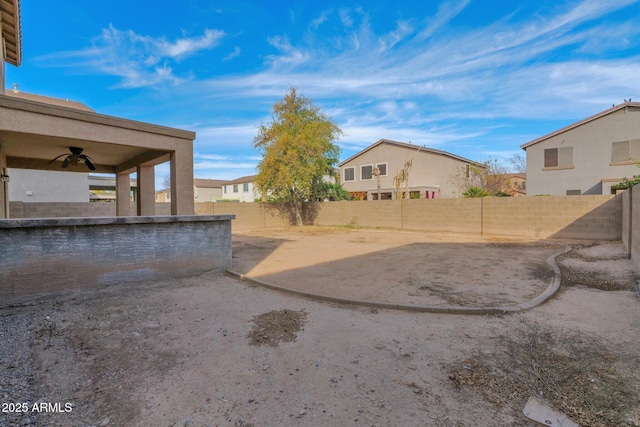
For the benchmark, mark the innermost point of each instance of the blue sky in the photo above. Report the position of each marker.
(475, 78)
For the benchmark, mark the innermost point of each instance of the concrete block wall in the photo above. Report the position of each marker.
(634, 223)
(74, 209)
(443, 215)
(378, 214)
(46, 255)
(597, 217)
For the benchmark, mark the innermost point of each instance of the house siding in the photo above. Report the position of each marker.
(430, 171)
(592, 142)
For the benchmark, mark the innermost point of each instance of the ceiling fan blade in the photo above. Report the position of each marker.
(65, 163)
(88, 162)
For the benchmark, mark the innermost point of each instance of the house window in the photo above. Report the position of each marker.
(225, 189)
(625, 151)
(574, 192)
(382, 168)
(467, 171)
(245, 187)
(349, 174)
(366, 173)
(235, 188)
(558, 157)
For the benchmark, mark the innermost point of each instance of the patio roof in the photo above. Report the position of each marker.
(32, 134)
(10, 20)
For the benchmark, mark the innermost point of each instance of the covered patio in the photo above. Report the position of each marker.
(33, 133)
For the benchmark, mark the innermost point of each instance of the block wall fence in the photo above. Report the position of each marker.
(596, 217)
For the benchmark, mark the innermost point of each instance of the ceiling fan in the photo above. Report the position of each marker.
(76, 154)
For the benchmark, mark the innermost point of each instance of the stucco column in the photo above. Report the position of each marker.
(4, 187)
(123, 194)
(146, 191)
(182, 202)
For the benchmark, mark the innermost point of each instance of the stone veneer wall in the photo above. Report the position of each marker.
(72, 253)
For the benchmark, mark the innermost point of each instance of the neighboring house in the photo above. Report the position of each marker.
(587, 157)
(513, 184)
(204, 190)
(430, 175)
(242, 189)
(208, 190)
(53, 186)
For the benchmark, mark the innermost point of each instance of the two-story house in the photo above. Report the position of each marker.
(586, 157)
(372, 171)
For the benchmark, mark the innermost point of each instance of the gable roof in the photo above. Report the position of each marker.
(11, 33)
(15, 93)
(582, 122)
(242, 180)
(413, 147)
(209, 183)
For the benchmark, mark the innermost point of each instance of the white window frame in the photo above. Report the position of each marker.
(372, 175)
(245, 187)
(344, 174)
(235, 188)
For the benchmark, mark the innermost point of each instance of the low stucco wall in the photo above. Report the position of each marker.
(42, 255)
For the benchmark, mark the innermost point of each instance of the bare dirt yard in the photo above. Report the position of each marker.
(214, 351)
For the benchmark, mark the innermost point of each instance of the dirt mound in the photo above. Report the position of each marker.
(276, 326)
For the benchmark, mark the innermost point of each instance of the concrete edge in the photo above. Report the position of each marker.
(543, 297)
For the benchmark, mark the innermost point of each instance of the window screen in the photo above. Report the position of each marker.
(558, 157)
(349, 174)
(366, 172)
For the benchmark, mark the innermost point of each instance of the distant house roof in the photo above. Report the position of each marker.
(209, 183)
(242, 180)
(15, 93)
(11, 33)
(582, 122)
(411, 147)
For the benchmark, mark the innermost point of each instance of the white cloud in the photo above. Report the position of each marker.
(138, 60)
(231, 55)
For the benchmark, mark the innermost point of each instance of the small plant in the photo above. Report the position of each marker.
(475, 192)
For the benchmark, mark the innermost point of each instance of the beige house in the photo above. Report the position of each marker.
(34, 134)
(429, 177)
(587, 157)
(242, 189)
(204, 190)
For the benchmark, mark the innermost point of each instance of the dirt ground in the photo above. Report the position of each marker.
(214, 351)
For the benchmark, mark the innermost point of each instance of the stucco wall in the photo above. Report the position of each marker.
(61, 254)
(48, 186)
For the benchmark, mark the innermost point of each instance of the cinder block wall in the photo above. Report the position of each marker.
(597, 217)
(634, 224)
(48, 255)
(75, 209)
(443, 215)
